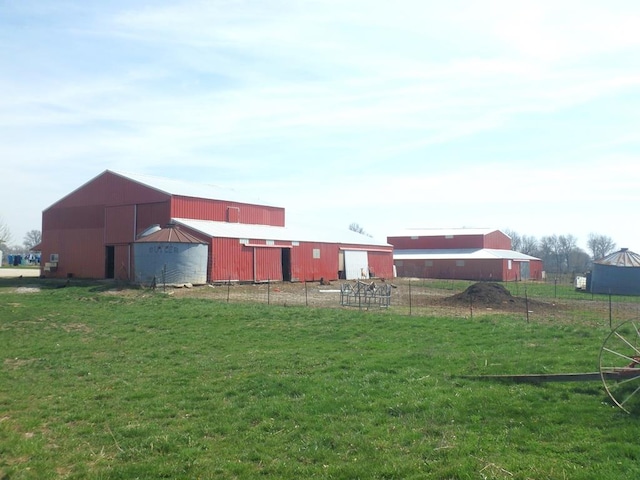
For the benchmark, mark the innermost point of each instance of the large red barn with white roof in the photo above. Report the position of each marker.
(462, 254)
(90, 233)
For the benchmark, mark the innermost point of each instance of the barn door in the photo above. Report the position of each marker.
(524, 270)
(356, 264)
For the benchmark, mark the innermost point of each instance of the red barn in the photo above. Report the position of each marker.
(463, 254)
(90, 234)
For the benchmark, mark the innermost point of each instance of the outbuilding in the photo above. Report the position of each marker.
(462, 254)
(94, 231)
(618, 274)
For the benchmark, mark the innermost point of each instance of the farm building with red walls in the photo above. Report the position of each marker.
(90, 233)
(461, 254)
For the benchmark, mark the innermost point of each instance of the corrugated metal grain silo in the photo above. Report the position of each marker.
(617, 274)
(170, 256)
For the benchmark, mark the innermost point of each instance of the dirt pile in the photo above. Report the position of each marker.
(485, 293)
(493, 295)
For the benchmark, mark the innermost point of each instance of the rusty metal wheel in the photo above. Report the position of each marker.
(620, 365)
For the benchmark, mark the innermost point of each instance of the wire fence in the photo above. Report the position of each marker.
(550, 301)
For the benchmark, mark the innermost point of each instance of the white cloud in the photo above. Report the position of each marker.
(372, 109)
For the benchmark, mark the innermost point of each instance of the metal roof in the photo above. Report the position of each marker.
(171, 234)
(184, 188)
(288, 233)
(461, 254)
(443, 232)
(622, 258)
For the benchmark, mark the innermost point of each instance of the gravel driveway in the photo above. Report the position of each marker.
(16, 272)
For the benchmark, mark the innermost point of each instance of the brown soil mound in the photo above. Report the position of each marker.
(494, 296)
(486, 293)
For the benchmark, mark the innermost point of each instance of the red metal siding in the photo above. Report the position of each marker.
(450, 269)
(218, 210)
(535, 269)
(73, 218)
(437, 242)
(267, 263)
(497, 240)
(148, 214)
(74, 227)
(81, 252)
(381, 264)
(307, 267)
(120, 224)
(230, 261)
(111, 189)
(234, 261)
(122, 262)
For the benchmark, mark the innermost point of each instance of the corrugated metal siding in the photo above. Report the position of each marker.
(610, 279)
(449, 269)
(73, 218)
(230, 260)
(122, 262)
(120, 224)
(437, 242)
(110, 189)
(306, 267)
(234, 261)
(148, 214)
(621, 258)
(81, 252)
(170, 262)
(381, 264)
(267, 263)
(497, 240)
(217, 210)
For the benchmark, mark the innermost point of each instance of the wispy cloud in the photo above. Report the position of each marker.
(391, 104)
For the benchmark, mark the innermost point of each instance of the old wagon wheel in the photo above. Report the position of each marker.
(620, 364)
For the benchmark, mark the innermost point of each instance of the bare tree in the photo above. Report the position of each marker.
(600, 245)
(354, 227)
(516, 240)
(567, 245)
(31, 239)
(5, 235)
(550, 252)
(530, 246)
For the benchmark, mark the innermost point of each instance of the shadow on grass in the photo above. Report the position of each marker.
(56, 283)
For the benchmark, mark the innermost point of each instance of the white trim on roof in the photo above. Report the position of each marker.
(184, 188)
(462, 254)
(268, 232)
(444, 232)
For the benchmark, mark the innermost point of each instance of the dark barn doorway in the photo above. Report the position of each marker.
(286, 264)
(110, 261)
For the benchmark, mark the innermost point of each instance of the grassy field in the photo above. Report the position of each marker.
(97, 384)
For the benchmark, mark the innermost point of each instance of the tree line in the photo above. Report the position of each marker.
(560, 253)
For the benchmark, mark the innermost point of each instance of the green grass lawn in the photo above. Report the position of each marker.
(105, 386)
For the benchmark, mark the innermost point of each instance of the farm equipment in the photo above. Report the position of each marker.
(364, 294)
(619, 368)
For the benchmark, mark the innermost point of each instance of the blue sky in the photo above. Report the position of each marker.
(512, 115)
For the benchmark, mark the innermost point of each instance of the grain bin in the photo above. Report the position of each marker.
(170, 256)
(617, 274)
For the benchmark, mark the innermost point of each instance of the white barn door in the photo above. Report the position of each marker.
(356, 264)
